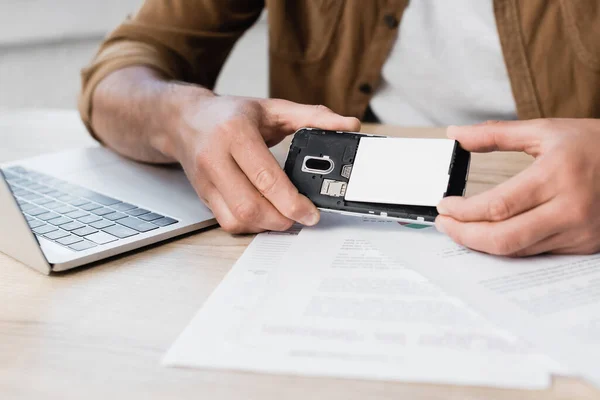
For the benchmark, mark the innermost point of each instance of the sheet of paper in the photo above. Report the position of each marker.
(334, 306)
(213, 335)
(552, 301)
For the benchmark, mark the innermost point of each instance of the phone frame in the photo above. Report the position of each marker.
(341, 147)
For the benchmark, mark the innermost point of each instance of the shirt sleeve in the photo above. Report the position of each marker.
(187, 40)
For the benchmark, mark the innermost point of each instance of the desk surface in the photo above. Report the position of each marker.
(100, 332)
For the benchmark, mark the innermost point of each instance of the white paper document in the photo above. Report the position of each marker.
(212, 338)
(328, 303)
(551, 301)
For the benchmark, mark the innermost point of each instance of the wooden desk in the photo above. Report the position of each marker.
(100, 333)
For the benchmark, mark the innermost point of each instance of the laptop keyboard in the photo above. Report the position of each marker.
(75, 217)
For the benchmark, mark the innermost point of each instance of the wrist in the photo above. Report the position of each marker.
(176, 99)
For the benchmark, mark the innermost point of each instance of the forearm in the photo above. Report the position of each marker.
(135, 112)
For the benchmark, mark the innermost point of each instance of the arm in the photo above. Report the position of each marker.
(176, 40)
(135, 110)
(144, 113)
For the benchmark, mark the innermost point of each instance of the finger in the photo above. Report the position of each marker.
(500, 135)
(581, 249)
(547, 245)
(264, 172)
(292, 116)
(505, 237)
(242, 198)
(578, 242)
(211, 197)
(521, 193)
(225, 217)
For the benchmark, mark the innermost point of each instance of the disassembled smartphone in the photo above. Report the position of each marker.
(396, 178)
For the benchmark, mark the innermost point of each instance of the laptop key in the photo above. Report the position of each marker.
(33, 174)
(8, 176)
(90, 206)
(30, 196)
(86, 230)
(81, 246)
(19, 192)
(65, 209)
(78, 202)
(48, 216)
(58, 234)
(65, 186)
(35, 211)
(102, 211)
(136, 212)
(123, 207)
(36, 187)
(60, 221)
(45, 189)
(150, 217)
(28, 218)
(55, 194)
(53, 205)
(17, 169)
(42, 200)
(137, 224)
(19, 182)
(101, 199)
(102, 224)
(69, 240)
(27, 206)
(166, 221)
(41, 230)
(66, 199)
(25, 183)
(35, 224)
(77, 214)
(88, 219)
(115, 216)
(71, 226)
(51, 181)
(101, 238)
(119, 231)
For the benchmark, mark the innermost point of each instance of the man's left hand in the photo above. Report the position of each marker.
(552, 206)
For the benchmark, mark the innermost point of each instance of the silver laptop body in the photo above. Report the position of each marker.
(64, 210)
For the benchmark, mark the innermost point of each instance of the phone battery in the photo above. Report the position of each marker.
(400, 171)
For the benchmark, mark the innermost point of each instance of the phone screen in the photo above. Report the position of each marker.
(400, 171)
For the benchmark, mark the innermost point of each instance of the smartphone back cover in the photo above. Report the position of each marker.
(327, 190)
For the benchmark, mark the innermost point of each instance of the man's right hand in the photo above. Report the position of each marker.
(221, 142)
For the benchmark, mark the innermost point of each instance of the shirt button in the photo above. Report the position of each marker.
(390, 21)
(366, 88)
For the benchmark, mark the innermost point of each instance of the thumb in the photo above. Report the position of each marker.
(293, 116)
(498, 135)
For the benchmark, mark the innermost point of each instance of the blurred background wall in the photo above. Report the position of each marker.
(45, 43)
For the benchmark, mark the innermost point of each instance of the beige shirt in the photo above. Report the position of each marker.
(332, 52)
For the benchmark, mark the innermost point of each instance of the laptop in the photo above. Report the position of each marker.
(65, 210)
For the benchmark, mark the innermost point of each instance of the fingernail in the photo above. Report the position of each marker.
(310, 219)
(439, 226)
(441, 208)
(450, 132)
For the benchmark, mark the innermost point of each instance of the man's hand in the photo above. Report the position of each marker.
(222, 143)
(552, 206)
